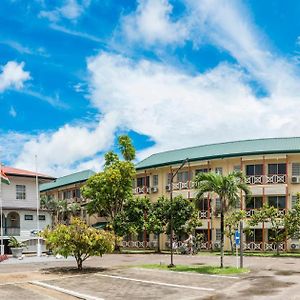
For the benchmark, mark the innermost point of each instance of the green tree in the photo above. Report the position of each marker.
(133, 218)
(228, 188)
(232, 220)
(78, 240)
(277, 221)
(110, 189)
(292, 219)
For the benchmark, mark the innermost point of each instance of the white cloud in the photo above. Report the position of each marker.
(151, 23)
(62, 151)
(13, 76)
(176, 109)
(171, 106)
(71, 10)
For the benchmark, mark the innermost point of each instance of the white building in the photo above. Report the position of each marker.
(19, 202)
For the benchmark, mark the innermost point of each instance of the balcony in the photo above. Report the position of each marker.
(266, 179)
(141, 190)
(203, 214)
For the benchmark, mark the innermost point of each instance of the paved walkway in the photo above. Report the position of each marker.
(113, 277)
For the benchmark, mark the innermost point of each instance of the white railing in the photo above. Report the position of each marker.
(252, 246)
(254, 179)
(266, 179)
(141, 190)
(203, 214)
(139, 244)
(250, 212)
(273, 246)
(182, 185)
(277, 178)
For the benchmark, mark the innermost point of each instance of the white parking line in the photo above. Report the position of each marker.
(190, 273)
(157, 282)
(68, 292)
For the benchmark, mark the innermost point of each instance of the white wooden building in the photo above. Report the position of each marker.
(19, 202)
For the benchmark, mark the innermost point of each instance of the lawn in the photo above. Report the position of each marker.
(203, 269)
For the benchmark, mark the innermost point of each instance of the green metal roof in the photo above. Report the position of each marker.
(222, 150)
(66, 180)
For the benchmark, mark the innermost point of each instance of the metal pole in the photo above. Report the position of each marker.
(38, 250)
(241, 244)
(171, 220)
(1, 212)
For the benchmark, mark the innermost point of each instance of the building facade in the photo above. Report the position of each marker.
(68, 188)
(271, 167)
(19, 202)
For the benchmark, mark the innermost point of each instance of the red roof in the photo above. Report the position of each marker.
(19, 172)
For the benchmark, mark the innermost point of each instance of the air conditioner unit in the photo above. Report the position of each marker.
(294, 246)
(167, 188)
(154, 189)
(295, 179)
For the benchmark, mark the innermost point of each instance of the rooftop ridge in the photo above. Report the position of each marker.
(222, 143)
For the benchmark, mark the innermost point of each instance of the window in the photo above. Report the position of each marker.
(20, 192)
(296, 169)
(294, 200)
(254, 170)
(254, 236)
(275, 169)
(237, 168)
(277, 201)
(142, 181)
(199, 171)
(42, 217)
(218, 234)
(155, 180)
(254, 203)
(203, 204)
(184, 176)
(219, 170)
(28, 217)
(67, 195)
(77, 193)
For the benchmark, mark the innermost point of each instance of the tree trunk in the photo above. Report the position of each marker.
(79, 263)
(158, 243)
(117, 246)
(277, 248)
(222, 235)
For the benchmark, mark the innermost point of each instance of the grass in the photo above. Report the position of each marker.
(204, 269)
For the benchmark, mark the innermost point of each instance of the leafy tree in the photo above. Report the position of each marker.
(271, 215)
(228, 188)
(78, 240)
(109, 190)
(157, 218)
(185, 218)
(232, 221)
(133, 218)
(292, 219)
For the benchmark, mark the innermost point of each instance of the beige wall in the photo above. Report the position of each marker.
(227, 164)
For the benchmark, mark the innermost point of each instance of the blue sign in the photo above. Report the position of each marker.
(237, 237)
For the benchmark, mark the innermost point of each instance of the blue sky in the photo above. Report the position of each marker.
(76, 73)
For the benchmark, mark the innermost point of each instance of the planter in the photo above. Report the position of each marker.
(16, 252)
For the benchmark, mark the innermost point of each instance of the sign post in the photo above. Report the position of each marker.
(237, 243)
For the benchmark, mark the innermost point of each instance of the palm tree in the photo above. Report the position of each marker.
(228, 188)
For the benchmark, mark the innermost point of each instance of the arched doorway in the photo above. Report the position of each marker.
(13, 224)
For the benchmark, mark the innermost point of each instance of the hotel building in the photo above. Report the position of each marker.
(271, 167)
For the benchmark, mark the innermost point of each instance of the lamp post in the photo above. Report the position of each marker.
(171, 214)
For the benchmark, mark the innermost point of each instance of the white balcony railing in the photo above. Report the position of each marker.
(266, 179)
(141, 190)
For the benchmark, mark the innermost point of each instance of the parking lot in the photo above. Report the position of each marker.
(120, 277)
